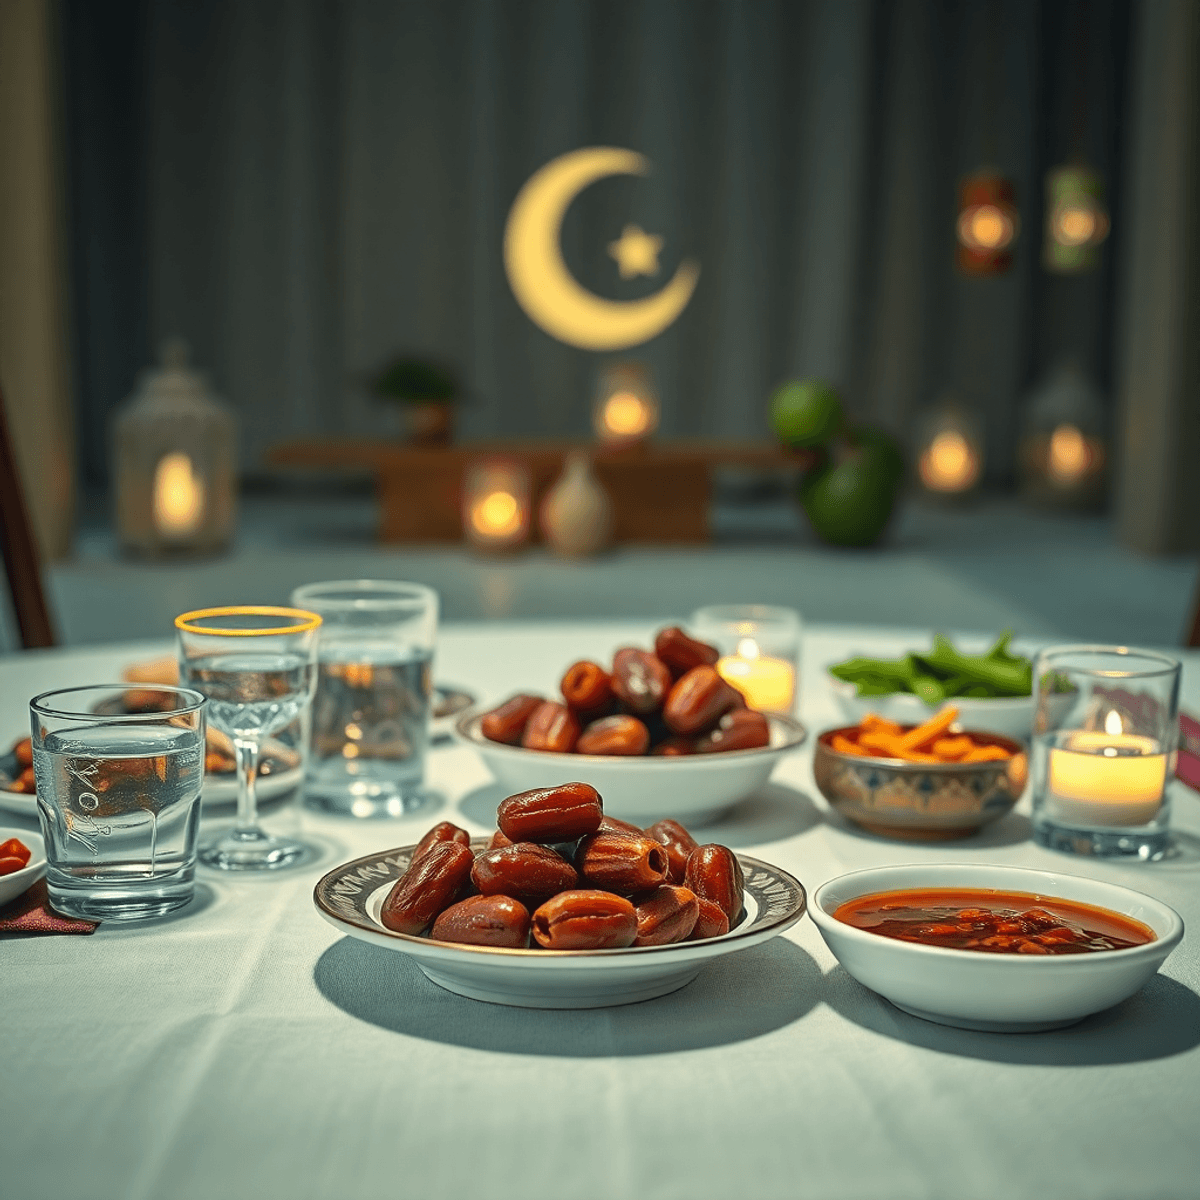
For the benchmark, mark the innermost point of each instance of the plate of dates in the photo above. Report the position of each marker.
(562, 907)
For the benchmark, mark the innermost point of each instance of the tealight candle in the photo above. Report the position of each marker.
(767, 684)
(1102, 778)
(496, 505)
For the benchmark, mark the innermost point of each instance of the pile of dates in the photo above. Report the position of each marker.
(559, 869)
(667, 701)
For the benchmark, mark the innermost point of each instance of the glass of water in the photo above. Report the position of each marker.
(370, 718)
(118, 795)
(256, 665)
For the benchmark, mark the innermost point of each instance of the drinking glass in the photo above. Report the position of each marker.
(256, 664)
(760, 650)
(1105, 731)
(370, 716)
(118, 795)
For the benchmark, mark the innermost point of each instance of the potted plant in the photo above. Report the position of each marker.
(428, 392)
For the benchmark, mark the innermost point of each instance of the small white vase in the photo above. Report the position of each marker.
(576, 515)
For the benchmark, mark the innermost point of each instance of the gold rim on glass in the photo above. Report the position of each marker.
(307, 620)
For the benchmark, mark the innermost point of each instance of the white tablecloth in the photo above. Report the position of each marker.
(242, 1048)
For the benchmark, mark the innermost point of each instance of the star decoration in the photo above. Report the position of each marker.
(636, 252)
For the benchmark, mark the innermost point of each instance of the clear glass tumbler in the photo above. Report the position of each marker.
(256, 664)
(1105, 732)
(370, 717)
(118, 793)
(760, 650)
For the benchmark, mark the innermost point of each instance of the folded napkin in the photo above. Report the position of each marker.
(30, 912)
(1187, 763)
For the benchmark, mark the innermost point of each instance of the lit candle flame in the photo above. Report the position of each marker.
(178, 496)
(498, 514)
(1113, 724)
(626, 415)
(1069, 457)
(747, 648)
(986, 227)
(948, 463)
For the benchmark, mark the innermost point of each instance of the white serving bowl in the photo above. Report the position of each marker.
(1009, 715)
(11, 886)
(1007, 993)
(692, 788)
(351, 896)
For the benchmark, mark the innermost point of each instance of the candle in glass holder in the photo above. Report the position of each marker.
(1106, 777)
(496, 505)
(766, 683)
(626, 408)
(178, 500)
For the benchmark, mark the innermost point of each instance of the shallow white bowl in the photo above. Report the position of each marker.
(693, 788)
(11, 886)
(1010, 715)
(350, 898)
(1008, 993)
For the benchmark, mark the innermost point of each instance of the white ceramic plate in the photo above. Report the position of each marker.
(1006, 993)
(449, 703)
(1009, 715)
(11, 886)
(351, 896)
(693, 788)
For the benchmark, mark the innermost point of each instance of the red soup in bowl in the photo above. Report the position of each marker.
(993, 922)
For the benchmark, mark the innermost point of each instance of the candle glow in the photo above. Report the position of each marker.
(986, 227)
(497, 515)
(949, 463)
(626, 415)
(767, 684)
(178, 496)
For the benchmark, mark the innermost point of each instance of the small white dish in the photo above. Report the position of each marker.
(1003, 993)
(1009, 715)
(692, 788)
(11, 886)
(449, 703)
(350, 898)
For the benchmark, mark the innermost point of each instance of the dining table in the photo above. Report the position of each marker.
(243, 1047)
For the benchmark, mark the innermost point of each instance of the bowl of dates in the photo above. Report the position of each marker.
(658, 732)
(1002, 949)
(563, 906)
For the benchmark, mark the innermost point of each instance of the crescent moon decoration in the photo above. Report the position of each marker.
(550, 295)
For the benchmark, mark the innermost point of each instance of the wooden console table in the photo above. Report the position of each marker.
(660, 491)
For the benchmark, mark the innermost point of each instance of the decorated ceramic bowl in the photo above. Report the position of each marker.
(920, 801)
(692, 788)
(1005, 993)
(351, 896)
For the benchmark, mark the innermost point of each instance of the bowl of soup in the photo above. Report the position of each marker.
(1003, 949)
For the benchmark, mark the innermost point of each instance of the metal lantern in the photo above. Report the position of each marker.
(988, 223)
(1076, 219)
(173, 456)
(626, 408)
(1063, 451)
(949, 452)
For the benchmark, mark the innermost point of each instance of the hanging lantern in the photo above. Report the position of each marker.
(173, 462)
(496, 504)
(1063, 452)
(988, 223)
(1076, 220)
(626, 407)
(949, 453)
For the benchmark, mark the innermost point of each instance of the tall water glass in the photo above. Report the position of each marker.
(1104, 739)
(118, 794)
(370, 718)
(257, 666)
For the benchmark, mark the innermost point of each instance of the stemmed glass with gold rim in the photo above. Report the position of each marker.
(256, 664)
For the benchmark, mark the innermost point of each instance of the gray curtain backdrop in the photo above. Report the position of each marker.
(326, 184)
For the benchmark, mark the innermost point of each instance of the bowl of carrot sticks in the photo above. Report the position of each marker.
(927, 782)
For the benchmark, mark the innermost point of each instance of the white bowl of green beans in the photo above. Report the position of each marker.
(992, 690)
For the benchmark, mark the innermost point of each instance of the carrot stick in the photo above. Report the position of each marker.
(874, 724)
(843, 745)
(914, 739)
(985, 754)
(952, 748)
(881, 743)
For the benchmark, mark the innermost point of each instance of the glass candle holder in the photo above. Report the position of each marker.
(626, 406)
(496, 505)
(760, 651)
(1105, 732)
